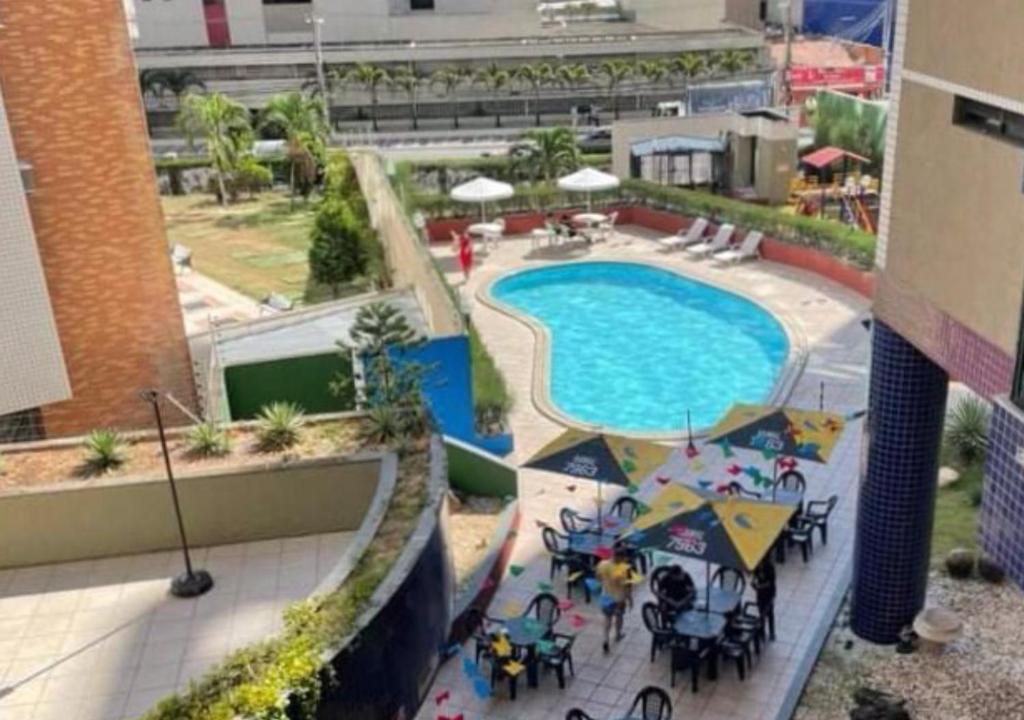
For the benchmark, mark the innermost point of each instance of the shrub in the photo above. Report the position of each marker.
(974, 497)
(104, 450)
(989, 570)
(960, 563)
(340, 250)
(384, 424)
(250, 176)
(208, 439)
(967, 428)
(279, 426)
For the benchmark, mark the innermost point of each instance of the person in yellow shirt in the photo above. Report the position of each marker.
(614, 575)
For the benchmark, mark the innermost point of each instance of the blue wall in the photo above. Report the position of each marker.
(858, 20)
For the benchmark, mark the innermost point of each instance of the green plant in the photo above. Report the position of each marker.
(302, 121)
(104, 450)
(967, 428)
(491, 397)
(370, 78)
(409, 81)
(224, 125)
(990, 571)
(340, 250)
(551, 153)
(960, 563)
(250, 176)
(384, 424)
(208, 439)
(279, 426)
(494, 79)
(535, 76)
(614, 72)
(450, 78)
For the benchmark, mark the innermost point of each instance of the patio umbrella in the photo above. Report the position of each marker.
(597, 456)
(482, 190)
(725, 531)
(588, 180)
(805, 434)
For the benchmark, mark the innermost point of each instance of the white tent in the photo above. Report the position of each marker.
(588, 180)
(482, 190)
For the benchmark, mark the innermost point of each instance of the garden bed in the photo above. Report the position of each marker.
(473, 522)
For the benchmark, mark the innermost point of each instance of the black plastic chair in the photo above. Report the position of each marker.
(745, 637)
(750, 619)
(729, 579)
(735, 489)
(652, 703)
(626, 508)
(734, 650)
(499, 673)
(689, 657)
(559, 657)
(667, 605)
(792, 481)
(573, 522)
(658, 624)
(544, 607)
(577, 714)
(477, 626)
(799, 534)
(817, 513)
(558, 547)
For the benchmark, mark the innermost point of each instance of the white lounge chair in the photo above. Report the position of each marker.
(684, 238)
(747, 249)
(716, 244)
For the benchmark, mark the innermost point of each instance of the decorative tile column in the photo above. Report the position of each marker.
(896, 508)
(1002, 506)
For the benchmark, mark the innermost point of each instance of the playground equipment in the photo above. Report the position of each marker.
(850, 196)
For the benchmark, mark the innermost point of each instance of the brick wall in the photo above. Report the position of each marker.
(69, 81)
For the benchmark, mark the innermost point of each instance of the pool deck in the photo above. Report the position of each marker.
(828, 317)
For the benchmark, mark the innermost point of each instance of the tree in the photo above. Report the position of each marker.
(655, 72)
(158, 82)
(409, 81)
(494, 79)
(339, 251)
(689, 65)
(614, 72)
(536, 76)
(573, 76)
(732, 61)
(449, 78)
(224, 125)
(302, 121)
(370, 78)
(552, 152)
(250, 176)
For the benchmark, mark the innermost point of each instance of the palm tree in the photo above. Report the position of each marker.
(369, 77)
(536, 76)
(157, 83)
(407, 79)
(450, 78)
(494, 79)
(614, 72)
(224, 125)
(573, 76)
(553, 152)
(732, 61)
(655, 72)
(303, 122)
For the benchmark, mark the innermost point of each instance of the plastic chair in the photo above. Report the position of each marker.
(656, 622)
(729, 579)
(652, 703)
(476, 625)
(626, 508)
(792, 481)
(573, 522)
(545, 608)
(560, 555)
(735, 489)
(799, 534)
(817, 513)
(577, 714)
(559, 656)
(686, 657)
(750, 618)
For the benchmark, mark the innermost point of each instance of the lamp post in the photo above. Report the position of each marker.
(190, 583)
(787, 67)
(317, 22)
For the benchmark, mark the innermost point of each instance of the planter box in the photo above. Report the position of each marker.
(820, 263)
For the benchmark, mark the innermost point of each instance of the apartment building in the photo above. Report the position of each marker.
(88, 306)
(949, 295)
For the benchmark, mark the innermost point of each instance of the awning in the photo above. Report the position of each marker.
(677, 144)
(824, 157)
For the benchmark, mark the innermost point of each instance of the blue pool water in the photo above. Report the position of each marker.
(633, 347)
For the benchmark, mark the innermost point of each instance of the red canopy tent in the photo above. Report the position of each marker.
(826, 156)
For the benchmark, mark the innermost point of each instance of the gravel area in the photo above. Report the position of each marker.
(980, 676)
(473, 522)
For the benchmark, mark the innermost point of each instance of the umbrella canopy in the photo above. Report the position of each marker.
(806, 434)
(597, 456)
(482, 190)
(588, 180)
(727, 531)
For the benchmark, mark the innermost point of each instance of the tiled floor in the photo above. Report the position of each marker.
(828, 316)
(103, 639)
(206, 303)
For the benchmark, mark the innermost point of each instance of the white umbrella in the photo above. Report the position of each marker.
(588, 180)
(482, 190)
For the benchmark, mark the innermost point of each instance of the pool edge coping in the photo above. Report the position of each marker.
(782, 388)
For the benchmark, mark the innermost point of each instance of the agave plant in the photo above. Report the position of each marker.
(104, 450)
(279, 426)
(384, 424)
(967, 428)
(208, 439)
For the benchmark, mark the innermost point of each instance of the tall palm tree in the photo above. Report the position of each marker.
(536, 76)
(731, 62)
(409, 81)
(224, 125)
(573, 76)
(614, 72)
(552, 152)
(303, 122)
(370, 78)
(655, 72)
(690, 65)
(449, 78)
(158, 82)
(494, 79)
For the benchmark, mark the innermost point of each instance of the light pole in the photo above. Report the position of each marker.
(787, 66)
(317, 22)
(190, 583)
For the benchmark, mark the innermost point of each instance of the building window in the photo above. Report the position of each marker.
(989, 120)
(421, 4)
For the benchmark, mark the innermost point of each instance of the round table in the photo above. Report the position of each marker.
(488, 231)
(589, 218)
(525, 632)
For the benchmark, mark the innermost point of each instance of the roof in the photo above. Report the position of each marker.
(825, 156)
(825, 54)
(677, 144)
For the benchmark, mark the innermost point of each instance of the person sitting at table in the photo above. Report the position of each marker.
(677, 591)
(763, 581)
(614, 574)
(567, 227)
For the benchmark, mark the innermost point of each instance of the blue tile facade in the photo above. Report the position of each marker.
(896, 507)
(1002, 505)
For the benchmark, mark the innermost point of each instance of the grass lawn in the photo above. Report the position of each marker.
(956, 510)
(256, 247)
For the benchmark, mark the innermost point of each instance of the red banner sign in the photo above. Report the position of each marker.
(866, 76)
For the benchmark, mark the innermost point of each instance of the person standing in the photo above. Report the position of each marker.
(614, 575)
(465, 254)
(764, 585)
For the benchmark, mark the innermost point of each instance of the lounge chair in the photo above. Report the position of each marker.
(683, 238)
(747, 249)
(716, 244)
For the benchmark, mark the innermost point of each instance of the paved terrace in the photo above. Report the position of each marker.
(829, 317)
(104, 640)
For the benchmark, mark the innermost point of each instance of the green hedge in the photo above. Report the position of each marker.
(848, 243)
(535, 197)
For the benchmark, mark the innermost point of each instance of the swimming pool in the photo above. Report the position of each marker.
(632, 347)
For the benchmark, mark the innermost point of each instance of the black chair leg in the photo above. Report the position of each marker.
(739, 667)
(695, 677)
(512, 688)
(560, 674)
(572, 670)
(824, 533)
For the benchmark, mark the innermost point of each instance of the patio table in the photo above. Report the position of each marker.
(699, 625)
(488, 231)
(525, 632)
(589, 218)
(720, 600)
(587, 543)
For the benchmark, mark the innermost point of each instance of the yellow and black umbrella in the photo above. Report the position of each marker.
(780, 431)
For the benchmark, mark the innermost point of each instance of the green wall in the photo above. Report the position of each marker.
(476, 472)
(302, 380)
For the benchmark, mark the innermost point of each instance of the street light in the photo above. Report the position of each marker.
(190, 583)
(317, 22)
(787, 68)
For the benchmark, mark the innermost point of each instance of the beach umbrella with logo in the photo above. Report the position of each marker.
(780, 431)
(600, 457)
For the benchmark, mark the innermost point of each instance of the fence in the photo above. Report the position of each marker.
(408, 258)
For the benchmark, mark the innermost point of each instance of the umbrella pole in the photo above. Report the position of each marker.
(689, 432)
(589, 205)
(600, 506)
(707, 587)
(821, 397)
